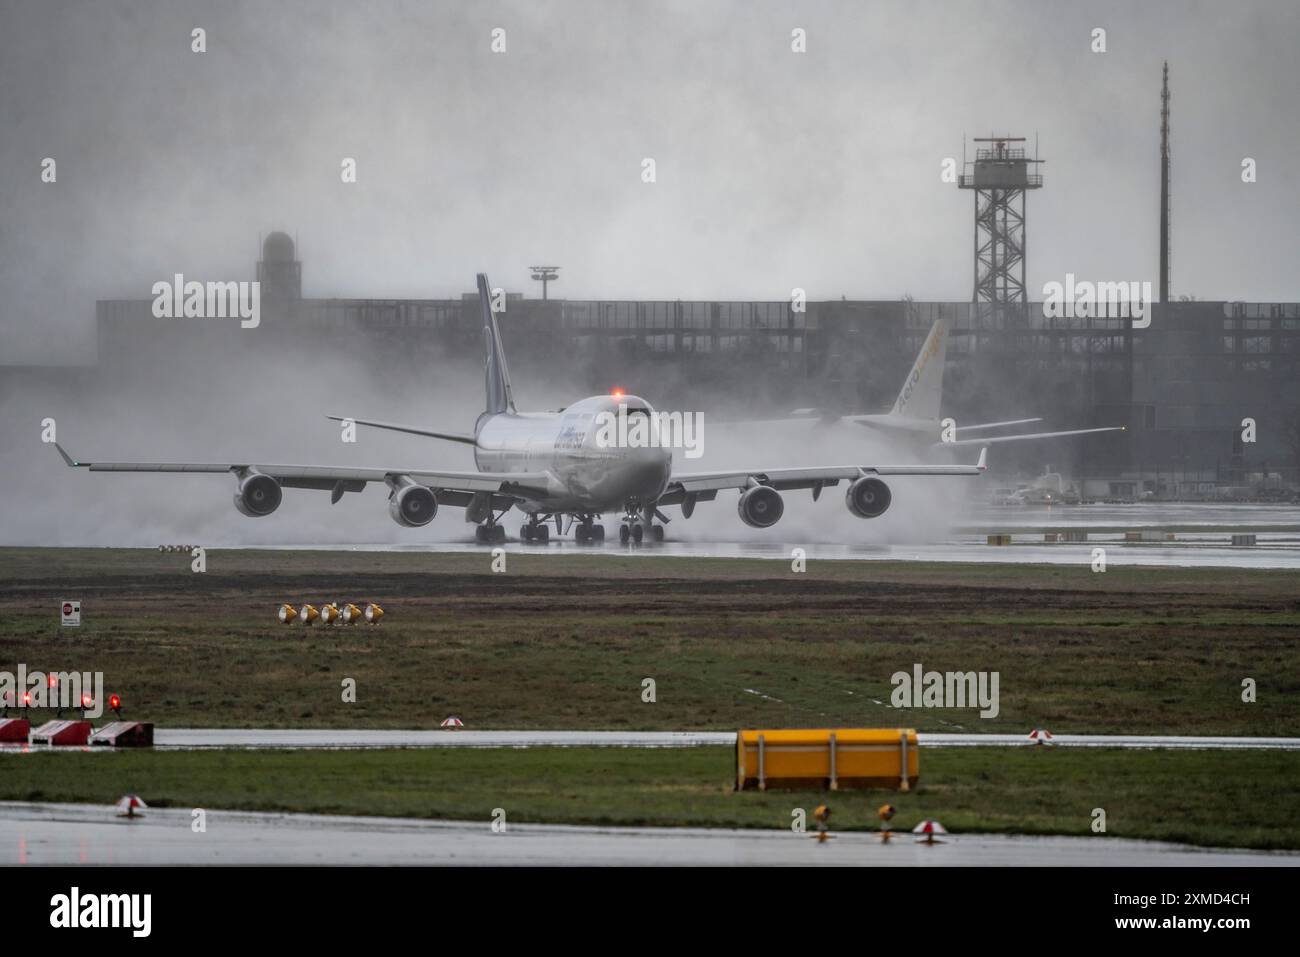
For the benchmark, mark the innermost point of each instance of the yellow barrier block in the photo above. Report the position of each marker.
(831, 758)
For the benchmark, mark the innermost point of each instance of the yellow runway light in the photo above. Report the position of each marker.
(823, 817)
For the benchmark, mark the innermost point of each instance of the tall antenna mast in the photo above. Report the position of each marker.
(1164, 187)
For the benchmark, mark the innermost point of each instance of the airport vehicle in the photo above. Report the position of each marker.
(1007, 497)
(551, 466)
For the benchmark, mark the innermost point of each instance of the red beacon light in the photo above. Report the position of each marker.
(617, 392)
(87, 701)
(54, 681)
(115, 703)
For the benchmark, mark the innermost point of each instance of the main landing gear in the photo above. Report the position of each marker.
(536, 530)
(587, 532)
(636, 527)
(490, 533)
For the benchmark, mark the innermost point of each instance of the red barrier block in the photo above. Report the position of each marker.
(74, 733)
(14, 730)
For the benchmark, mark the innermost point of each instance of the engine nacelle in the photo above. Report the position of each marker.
(413, 505)
(760, 506)
(868, 497)
(258, 495)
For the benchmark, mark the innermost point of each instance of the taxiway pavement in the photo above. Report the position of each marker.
(44, 834)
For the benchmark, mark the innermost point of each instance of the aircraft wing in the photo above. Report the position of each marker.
(996, 425)
(341, 479)
(707, 484)
(463, 437)
(1029, 435)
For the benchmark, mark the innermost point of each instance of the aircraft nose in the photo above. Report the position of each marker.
(652, 456)
(650, 467)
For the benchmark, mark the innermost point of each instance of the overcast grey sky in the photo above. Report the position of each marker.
(775, 169)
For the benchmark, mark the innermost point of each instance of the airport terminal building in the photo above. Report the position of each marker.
(1183, 387)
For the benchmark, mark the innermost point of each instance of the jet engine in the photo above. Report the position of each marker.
(760, 506)
(258, 495)
(868, 497)
(412, 505)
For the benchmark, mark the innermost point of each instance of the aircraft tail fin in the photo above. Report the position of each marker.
(496, 374)
(922, 391)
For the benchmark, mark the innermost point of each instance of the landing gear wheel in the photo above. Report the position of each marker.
(657, 533)
(581, 534)
(498, 533)
(597, 533)
(624, 534)
(638, 532)
(541, 533)
(481, 534)
(526, 533)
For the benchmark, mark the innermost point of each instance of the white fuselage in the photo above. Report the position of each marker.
(586, 475)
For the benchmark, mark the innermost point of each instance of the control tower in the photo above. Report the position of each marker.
(1000, 174)
(279, 270)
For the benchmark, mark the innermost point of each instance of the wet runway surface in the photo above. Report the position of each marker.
(1186, 555)
(1202, 538)
(290, 738)
(1140, 515)
(277, 738)
(45, 834)
(1138, 741)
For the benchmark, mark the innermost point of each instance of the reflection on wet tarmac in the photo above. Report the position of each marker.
(43, 834)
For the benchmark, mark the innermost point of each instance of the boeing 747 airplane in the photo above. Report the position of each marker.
(551, 466)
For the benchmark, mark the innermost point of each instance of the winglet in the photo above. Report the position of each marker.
(66, 457)
(983, 463)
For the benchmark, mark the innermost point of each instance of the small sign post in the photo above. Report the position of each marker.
(70, 612)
